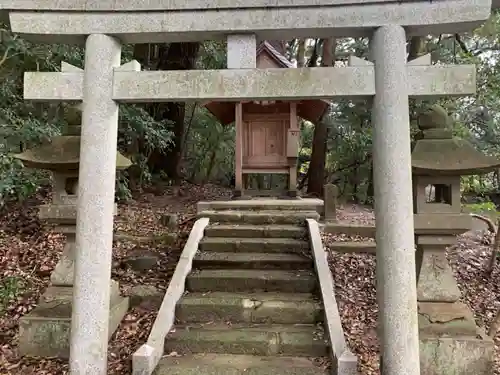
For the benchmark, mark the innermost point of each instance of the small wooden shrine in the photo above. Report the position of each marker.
(267, 132)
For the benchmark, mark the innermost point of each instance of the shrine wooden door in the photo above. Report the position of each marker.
(264, 142)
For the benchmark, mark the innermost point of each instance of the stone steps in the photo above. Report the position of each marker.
(250, 339)
(231, 364)
(278, 308)
(259, 217)
(354, 247)
(241, 280)
(239, 260)
(254, 231)
(250, 245)
(250, 306)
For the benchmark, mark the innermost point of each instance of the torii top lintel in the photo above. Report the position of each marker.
(139, 21)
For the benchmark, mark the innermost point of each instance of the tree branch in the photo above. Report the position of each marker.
(5, 56)
(461, 43)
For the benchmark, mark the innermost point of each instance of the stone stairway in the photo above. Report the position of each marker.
(251, 305)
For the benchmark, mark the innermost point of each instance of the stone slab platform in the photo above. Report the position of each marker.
(231, 364)
(45, 331)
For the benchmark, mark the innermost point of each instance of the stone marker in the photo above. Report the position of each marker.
(331, 193)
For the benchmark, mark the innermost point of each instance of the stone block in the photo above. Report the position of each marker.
(347, 364)
(331, 193)
(146, 294)
(45, 331)
(446, 319)
(462, 355)
(169, 220)
(435, 282)
(58, 213)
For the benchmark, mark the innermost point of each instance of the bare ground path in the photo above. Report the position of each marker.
(29, 251)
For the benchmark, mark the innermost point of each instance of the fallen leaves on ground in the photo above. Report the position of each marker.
(29, 251)
(355, 277)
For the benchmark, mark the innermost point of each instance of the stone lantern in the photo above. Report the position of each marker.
(451, 342)
(45, 331)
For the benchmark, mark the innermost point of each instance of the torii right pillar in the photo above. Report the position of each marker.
(402, 352)
(396, 275)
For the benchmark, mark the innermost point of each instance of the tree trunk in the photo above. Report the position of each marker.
(370, 190)
(174, 56)
(301, 53)
(416, 47)
(316, 173)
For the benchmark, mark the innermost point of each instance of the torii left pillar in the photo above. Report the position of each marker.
(95, 208)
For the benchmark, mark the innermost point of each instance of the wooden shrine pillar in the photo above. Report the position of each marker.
(238, 152)
(292, 149)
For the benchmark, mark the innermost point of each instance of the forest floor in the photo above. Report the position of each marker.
(30, 250)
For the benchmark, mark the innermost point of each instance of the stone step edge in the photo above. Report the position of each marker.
(253, 204)
(307, 213)
(354, 247)
(255, 240)
(212, 363)
(250, 257)
(304, 340)
(251, 230)
(251, 308)
(243, 280)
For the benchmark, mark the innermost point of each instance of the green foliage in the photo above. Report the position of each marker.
(479, 208)
(208, 147)
(10, 289)
(16, 181)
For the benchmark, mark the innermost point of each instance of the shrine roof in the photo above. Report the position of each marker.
(273, 52)
(311, 110)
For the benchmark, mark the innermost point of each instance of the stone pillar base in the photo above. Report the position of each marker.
(45, 331)
(457, 355)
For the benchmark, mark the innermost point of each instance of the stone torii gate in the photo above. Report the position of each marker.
(104, 25)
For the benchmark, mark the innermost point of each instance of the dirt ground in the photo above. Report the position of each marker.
(29, 251)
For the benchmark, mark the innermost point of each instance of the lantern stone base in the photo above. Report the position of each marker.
(45, 331)
(456, 355)
(450, 341)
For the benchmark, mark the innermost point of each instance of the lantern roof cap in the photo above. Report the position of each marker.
(62, 153)
(438, 152)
